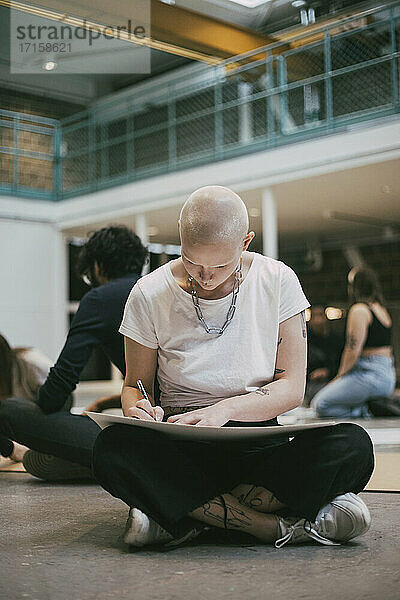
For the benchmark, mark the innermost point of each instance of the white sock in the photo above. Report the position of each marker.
(142, 531)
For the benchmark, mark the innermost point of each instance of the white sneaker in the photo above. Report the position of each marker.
(299, 531)
(140, 530)
(343, 519)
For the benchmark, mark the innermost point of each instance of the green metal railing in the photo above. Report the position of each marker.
(29, 147)
(281, 93)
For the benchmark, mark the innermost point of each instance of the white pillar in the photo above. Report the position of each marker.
(245, 114)
(141, 231)
(269, 224)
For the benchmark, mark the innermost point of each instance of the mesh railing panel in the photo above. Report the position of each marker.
(7, 169)
(195, 136)
(151, 149)
(35, 173)
(75, 172)
(362, 90)
(27, 157)
(305, 62)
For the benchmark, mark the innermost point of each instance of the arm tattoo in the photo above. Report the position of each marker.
(280, 339)
(279, 371)
(303, 324)
(351, 341)
(262, 391)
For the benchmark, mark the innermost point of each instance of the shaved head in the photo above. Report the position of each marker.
(214, 214)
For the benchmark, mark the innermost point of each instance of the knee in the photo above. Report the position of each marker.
(354, 441)
(13, 406)
(7, 406)
(322, 405)
(107, 441)
(112, 443)
(323, 411)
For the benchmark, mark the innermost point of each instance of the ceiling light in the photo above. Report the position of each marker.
(250, 3)
(50, 65)
(298, 3)
(332, 313)
(170, 2)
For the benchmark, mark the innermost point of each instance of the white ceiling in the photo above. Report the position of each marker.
(372, 191)
(232, 12)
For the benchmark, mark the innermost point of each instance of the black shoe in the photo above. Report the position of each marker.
(51, 468)
(384, 407)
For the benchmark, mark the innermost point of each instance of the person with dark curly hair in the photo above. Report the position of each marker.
(111, 262)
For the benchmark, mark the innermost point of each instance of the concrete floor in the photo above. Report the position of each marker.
(63, 541)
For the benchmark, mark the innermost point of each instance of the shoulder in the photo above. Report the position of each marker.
(265, 263)
(360, 312)
(359, 308)
(153, 284)
(149, 291)
(275, 274)
(267, 268)
(274, 267)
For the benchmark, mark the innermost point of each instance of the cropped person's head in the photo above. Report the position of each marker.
(214, 231)
(109, 253)
(7, 360)
(364, 286)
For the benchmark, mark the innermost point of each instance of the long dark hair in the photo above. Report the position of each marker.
(365, 286)
(7, 361)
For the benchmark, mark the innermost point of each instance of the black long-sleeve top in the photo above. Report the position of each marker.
(95, 323)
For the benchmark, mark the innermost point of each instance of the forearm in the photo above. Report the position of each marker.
(348, 360)
(266, 403)
(129, 396)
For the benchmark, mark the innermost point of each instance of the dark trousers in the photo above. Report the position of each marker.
(167, 479)
(61, 434)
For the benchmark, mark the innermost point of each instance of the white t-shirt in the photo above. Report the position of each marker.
(199, 369)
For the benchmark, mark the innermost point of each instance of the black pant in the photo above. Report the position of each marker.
(167, 479)
(60, 434)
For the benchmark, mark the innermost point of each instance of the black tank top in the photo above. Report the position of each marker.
(378, 334)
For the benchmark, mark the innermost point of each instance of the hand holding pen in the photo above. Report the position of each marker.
(143, 409)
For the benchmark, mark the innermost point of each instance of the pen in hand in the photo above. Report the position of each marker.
(142, 390)
(140, 385)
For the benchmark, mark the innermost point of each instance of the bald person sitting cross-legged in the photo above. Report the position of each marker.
(226, 329)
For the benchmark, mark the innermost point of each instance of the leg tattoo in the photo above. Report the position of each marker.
(230, 516)
(226, 512)
(257, 498)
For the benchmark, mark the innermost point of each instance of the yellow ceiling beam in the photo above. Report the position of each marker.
(184, 28)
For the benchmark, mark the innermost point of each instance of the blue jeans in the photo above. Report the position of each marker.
(371, 376)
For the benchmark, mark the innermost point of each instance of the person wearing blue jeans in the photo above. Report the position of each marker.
(366, 368)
